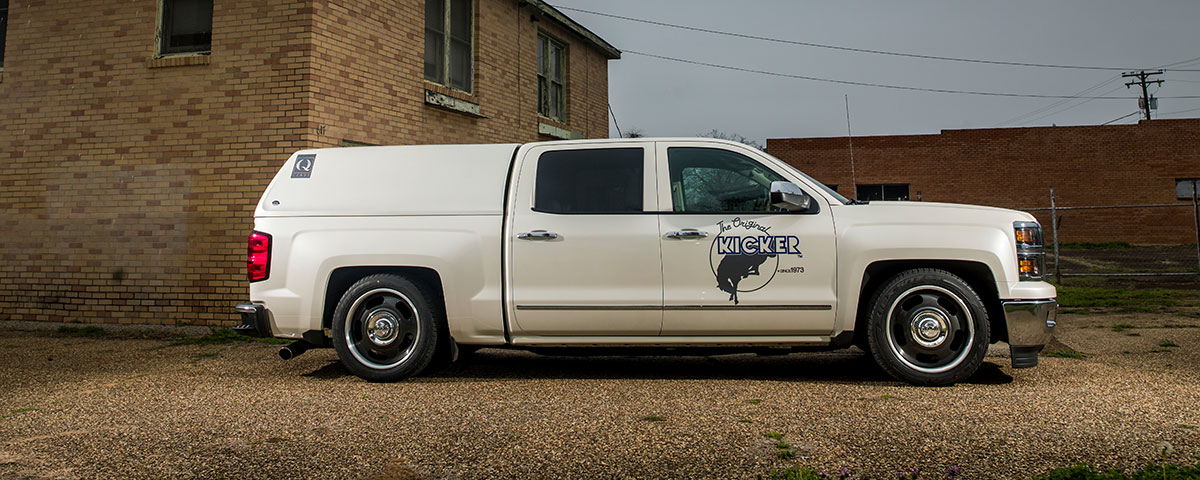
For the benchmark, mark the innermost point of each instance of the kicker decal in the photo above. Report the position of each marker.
(745, 248)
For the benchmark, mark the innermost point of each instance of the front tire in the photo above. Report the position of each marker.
(385, 328)
(928, 327)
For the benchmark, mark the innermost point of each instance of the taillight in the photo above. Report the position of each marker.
(258, 256)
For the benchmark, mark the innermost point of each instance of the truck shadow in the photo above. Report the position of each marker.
(839, 367)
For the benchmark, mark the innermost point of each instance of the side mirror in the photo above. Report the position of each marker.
(789, 196)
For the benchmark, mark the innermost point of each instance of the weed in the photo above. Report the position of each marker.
(746, 420)
(653, 418)
(886, 396)
(754, 401)
(1185, 426)
(785, 454)
(22, 410)
(780, 444)
(90, 332)
(1121, 327)
(1127, 352)
(1133, 334)
(1065, 353)
(774, 435)
(1167, 343)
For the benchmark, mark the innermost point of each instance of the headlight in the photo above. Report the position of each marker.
(1031, 254)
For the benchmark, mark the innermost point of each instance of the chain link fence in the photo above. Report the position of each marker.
(1148, 240)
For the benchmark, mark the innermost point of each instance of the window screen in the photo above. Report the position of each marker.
(186, 26)
(709, 180)
(608, 180)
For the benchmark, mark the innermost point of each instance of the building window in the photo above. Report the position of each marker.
(185, 26)
(894, 191)
(832, 186)
(449, 59)
(1184, 187)
(3, 29)
(602, 180)
(552, 66)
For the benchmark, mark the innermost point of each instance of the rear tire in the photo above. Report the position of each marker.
(927, 327)
(385, 328)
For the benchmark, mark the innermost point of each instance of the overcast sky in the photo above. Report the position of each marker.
(664, 98)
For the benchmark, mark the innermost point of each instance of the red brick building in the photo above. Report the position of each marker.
(1135, 164)
(137, 136)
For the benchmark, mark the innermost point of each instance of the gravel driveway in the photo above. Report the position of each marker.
(122, 407)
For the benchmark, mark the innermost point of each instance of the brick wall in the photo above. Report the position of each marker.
(1015, 168)
(128, 183)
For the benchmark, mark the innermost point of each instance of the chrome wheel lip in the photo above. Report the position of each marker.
(348, 330)
(967, 344)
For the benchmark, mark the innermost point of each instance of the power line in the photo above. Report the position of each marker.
(1178, 111)
(1078, 94)
(1135, 112)
(868, 84)
(852, 49)
(1061, 110)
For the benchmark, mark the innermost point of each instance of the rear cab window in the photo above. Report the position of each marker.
(591, 181)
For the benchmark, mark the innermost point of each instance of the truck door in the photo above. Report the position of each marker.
(732, 264)
(583, 241)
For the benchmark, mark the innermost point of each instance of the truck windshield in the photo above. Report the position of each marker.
(830, 191)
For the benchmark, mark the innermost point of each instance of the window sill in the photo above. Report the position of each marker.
(180, 60)
(452, 100)
(555, 131)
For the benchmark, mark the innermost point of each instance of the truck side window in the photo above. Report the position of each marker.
(599, 180)
(710, 180)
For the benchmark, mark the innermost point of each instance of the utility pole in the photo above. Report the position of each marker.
(1141, 77)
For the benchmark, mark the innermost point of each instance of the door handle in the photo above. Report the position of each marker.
(686, 234)
(537, 235)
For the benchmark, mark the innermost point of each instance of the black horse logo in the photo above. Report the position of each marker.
(733, 268)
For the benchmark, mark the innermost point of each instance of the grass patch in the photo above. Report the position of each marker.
(90, 332)
(1185, 426)
(785, 454)
(774, 435)
(220, 336)
(1139, 300)
(886, 396)
(22, 410)
(653, 418)
(754, 401)
(1167, 343)
(1065, 353)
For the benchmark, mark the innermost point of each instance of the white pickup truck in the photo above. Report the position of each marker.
(403, 257)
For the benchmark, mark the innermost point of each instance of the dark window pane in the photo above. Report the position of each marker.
(460, 44)
(3, 28)
(709, 180)
(187, 26)
(435, 40)
(895, 192)
(607, 180)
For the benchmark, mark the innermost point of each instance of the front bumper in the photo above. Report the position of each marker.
(1030, 327)
(256, 321)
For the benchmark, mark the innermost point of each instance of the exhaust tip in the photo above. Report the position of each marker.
(294, 350)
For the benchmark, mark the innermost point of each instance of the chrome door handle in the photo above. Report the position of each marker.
(537, 235)
(686, 234)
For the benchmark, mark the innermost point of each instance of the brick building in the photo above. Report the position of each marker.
(137, 136)
(1144, 163)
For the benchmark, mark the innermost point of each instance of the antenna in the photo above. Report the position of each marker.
(850, 137)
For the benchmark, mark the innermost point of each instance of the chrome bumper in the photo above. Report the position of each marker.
(1030, 327)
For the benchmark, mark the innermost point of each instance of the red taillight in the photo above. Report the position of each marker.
(258, 256)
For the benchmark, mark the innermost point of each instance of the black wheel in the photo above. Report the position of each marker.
(385, 328)
(927, 327)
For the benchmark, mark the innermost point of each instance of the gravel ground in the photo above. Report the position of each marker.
(120, 406)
